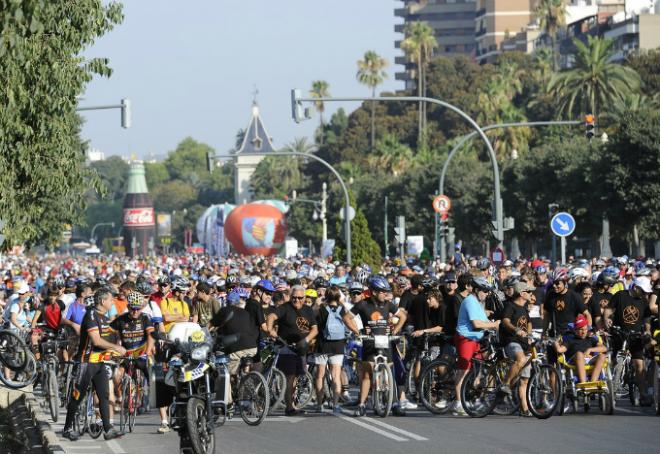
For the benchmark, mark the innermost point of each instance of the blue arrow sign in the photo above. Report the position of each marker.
(562, 224)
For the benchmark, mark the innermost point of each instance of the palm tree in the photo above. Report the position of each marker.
(594, 81)
(371, 72)
(320, 90)
(552, 16)
(418, 46)
(391, 156)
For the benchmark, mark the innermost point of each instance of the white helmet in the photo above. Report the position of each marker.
(577, 272)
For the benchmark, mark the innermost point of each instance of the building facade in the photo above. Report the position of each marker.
(498, 21)
(452, 22)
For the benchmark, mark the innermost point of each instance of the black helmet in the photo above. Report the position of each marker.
(164, 280)
(144, 287)
(180, 284)
(231, 280)
(481, 283)
(510, 281)
(320, 282)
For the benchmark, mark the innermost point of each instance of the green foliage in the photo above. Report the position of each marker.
(155, 173)
(113, 172)
(363, 247)
(42, 171)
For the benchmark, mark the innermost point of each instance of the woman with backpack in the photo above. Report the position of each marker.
(333, 322)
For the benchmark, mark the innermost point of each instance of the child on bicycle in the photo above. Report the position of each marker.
(583, 349)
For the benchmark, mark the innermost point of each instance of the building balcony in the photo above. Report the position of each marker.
(480, 13)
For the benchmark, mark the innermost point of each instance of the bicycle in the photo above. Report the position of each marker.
(382, 381)
(480, 390)
(437, 385)
(49, 366)
(623, 374)
(656, 372)
(425, 355)
(275, 378)
(131, 387)
(18, 361)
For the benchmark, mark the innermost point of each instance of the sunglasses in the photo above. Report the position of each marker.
(297, 297)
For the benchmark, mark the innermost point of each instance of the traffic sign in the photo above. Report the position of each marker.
(562, 224)
(441, 204)
(497, 256)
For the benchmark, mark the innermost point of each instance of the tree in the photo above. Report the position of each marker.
(113, 173)
(189, 158)
(552, 15)
(371, 72)
(363, 247)
(156, 174)
(634, 175)
(418, 46)
(320, 90)
(42, 171)
(647, 65)
(594, 82)
(390, 155)
(173, 195)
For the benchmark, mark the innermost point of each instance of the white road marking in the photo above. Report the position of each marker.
(360, 423)
(114, 447)
(396, 429)
(627, 410)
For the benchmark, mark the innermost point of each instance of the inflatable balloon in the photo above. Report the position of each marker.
(256, 228)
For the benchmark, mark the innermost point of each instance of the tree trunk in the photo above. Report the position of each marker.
(321, 128)
(605, 248)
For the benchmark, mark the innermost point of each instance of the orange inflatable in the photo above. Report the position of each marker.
(256, 229)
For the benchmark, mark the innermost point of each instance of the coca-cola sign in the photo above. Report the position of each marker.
(135, 217)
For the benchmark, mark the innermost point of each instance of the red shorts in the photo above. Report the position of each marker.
(467, 349)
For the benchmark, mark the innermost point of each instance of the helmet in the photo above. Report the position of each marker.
(234, 296)
(362, 276)
(402, 281)
(481, 283)
(164, 280)
(541, 269)
(101, 281)
(135, 300)
(321, 282)
(231, 280)
(578, 272)
(242, 292)
(560, 274)
(70, 283)
(366, 267)
(355, 287)
(378, 282)
(180, 284)
(59, 282)
(609, 276)
(310, 292)
(89, 300)
(220, 284)
(483, 264)
(643, 272)
(510, 281)
(428, 283)
(266, 285)
(282, 287)
(143, 287)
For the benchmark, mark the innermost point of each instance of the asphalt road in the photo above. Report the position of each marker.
(628, 430)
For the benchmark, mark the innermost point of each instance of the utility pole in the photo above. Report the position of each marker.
(324, 201)
(385, 236)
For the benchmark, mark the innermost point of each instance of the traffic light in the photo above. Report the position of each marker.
(590, 123)
(297, 111)
(125, 113)
(209, 162)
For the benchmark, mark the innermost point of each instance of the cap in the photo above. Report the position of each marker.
(507, 263)
(643, 283)
(521, 286)
(580, 322)
(23, 288)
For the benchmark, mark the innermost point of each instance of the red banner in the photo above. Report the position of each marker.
(137, 217)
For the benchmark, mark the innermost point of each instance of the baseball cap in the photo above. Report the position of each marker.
(521, 286)
(644, 283)
(23, 288)
(580, 321)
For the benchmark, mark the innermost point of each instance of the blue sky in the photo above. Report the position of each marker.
(190, 67)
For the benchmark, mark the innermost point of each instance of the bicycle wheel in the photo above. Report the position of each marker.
(53, 390)
(135, 399)
(13, 351)
(303, 390)
(23, 377)
(277, 387)
(66, 383)
(436, 387)
(253, 398)
(479, 390)
(124, 402)
(544, 391)
(656, 391)
(382, 389)
(92, 425)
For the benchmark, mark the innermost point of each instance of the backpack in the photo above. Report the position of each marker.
(334, 326)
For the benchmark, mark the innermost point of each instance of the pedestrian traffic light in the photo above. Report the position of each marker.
(590, 123)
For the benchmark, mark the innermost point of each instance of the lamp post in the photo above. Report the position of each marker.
(320, 209)
(124, 105)
(92, 238)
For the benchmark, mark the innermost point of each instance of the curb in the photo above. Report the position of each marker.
(51, 442)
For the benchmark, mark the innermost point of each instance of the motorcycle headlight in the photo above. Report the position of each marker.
(200, 353)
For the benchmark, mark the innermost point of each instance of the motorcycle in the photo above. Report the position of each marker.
(192, 373)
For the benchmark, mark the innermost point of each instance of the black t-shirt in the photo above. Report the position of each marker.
(562, 308)
(598, 303)
(575, 344)
(241, 323)
(519, 317)
(329, 347)
(370, 312)
(629, 312)
(294, 325)
(406, 299)
(133, 332)
(255, 310)
(419, 314)
(94, 321)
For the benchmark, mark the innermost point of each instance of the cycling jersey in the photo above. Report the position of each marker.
(133, 333)
(171, 306)
(94, 321)
(51, 314)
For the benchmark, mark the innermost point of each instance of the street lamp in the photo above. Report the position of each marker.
(92, 238)
(320, 208)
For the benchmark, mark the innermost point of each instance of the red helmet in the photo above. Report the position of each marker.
(560, 274)
(580, 321)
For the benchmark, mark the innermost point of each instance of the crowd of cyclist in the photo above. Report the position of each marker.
(110, 306)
